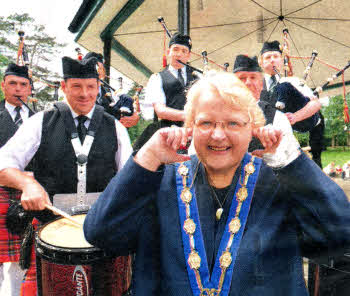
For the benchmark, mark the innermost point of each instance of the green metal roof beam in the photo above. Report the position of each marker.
(120, 18)
(89, 18)
(127, 55)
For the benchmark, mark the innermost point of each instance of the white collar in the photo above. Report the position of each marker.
(172, 69)
(268, 77)
(74, 114)
(10, 107)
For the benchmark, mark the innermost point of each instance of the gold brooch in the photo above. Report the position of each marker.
(234, 225)
(186, 195)
(183, 170)
(242, 194)
(189, 226)
(225, 259)
(194, 260)
(249, 168)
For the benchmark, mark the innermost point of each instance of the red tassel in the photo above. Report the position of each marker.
(346, 114)
(346, 108)
(164, 50)
(164, 61)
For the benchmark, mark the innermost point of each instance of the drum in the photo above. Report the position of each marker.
(68, 265)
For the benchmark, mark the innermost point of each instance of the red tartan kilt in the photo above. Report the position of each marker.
(9, 243)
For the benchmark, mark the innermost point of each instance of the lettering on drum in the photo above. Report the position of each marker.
(63, 233)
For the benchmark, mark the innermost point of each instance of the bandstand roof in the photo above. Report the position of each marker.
(223, 28)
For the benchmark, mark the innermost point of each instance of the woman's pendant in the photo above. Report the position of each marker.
(219, 213)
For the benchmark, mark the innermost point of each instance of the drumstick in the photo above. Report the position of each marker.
(63, 214)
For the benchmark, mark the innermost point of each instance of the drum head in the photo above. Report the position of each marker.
(65, 234)
(63, 242)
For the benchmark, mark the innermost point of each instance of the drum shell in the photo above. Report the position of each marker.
(79, 271)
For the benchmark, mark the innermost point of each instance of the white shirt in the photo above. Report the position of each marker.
(11, 109)
(21, 148)
(155, 92)
(268, 80)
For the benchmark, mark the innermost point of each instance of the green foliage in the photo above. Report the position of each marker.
(335, 127)
(338, 155)
(3, 62)
(135, 131)
(40, 47)
(303, 138)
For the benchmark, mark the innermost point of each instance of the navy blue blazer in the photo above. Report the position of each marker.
(296, 211)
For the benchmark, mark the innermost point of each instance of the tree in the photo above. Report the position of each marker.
(3, 62)
(303, 138)
(40, 47)
(336, 130)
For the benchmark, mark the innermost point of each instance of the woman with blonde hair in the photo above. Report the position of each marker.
(220, 222)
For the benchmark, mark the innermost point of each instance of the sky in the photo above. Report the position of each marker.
(55, 15)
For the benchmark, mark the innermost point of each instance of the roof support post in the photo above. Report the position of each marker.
(107, 48)
(184, 16)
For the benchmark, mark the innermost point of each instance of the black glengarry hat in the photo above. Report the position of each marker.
(79, 69)
(271, 46)
(13, 69)
(243, 63)
(96, 55)
(178, 38)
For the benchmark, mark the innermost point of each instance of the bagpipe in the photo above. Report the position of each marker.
(291, 99)
(23, 60)
(289, 72)
(122, 103)
(204, 54)
(292, 94)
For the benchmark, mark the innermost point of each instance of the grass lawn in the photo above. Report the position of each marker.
(338, 155)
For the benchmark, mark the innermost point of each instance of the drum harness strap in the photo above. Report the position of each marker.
(81, 151)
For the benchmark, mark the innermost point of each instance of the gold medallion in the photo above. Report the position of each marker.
(219, 213)
(189, 226)
(249, 168)
(225, 259)
(194, 260)
(186, 195)
(242, 194)
(183, 170)
(234, 225)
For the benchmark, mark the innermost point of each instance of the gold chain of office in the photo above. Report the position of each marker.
(194, 260)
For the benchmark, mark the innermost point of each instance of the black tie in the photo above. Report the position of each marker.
(81, 127)
(274, 82)
(180, 77)
(18, 117)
